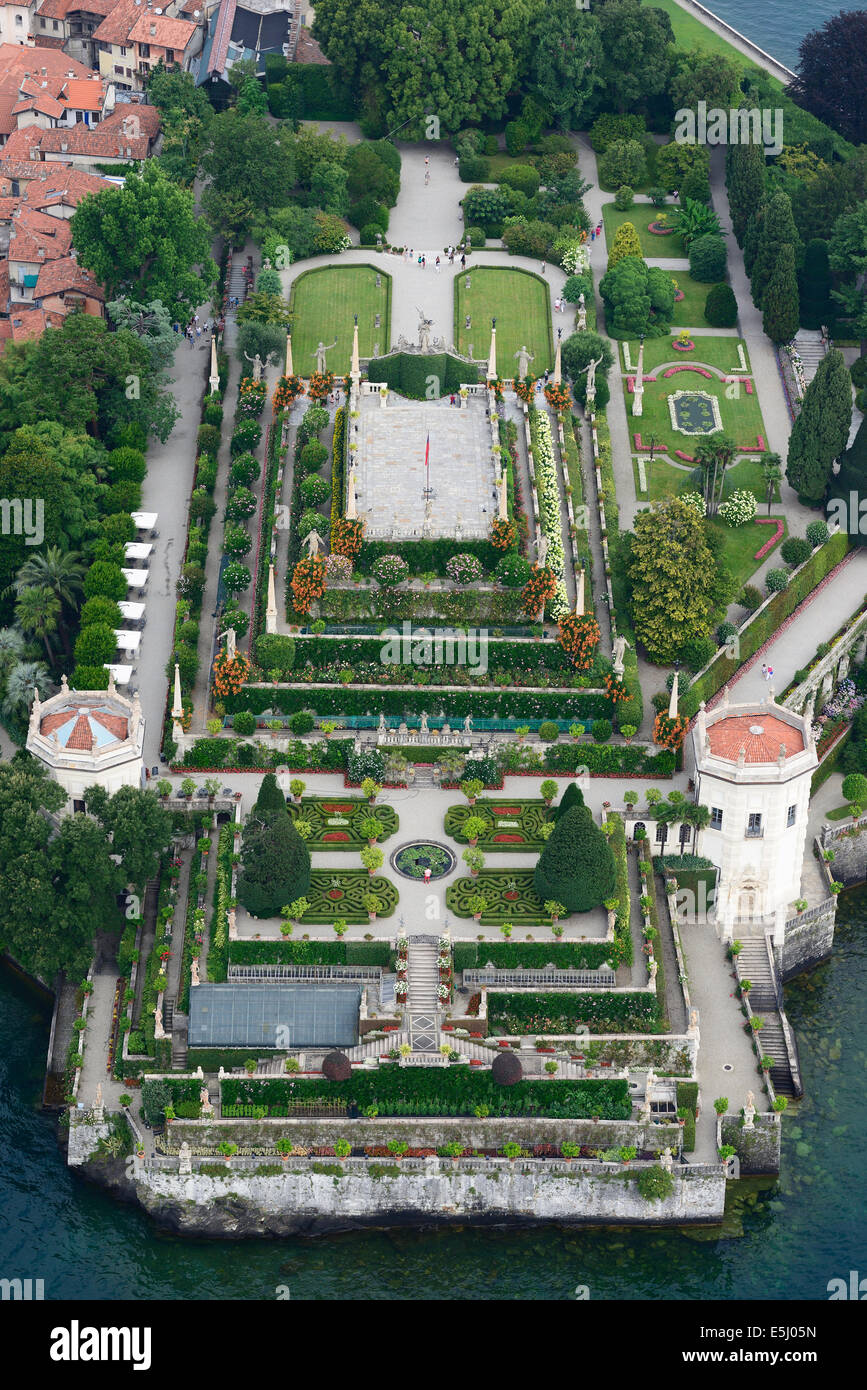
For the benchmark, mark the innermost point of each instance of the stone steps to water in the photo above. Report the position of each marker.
(753, 964)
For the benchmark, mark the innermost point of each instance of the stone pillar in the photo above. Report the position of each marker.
(672, 704)
(492, 354)
(214, 378)
(351, 507)
(271, 609)
(558, 368)
(289, 369)
(383, 397)
(579, 601)
(233, 929)
(177, 709)
(638, 399)
(355, 366)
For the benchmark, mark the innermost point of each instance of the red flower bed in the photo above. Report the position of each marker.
(507, 810)
(338, 807)
(335, 894)
(768, 545)
(511, 895)
(504, 839)
(336, 835)
(474, 1062)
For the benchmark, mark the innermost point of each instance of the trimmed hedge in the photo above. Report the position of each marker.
(435, 1091)
(310, 953)
(409, 375)
(562, 1012)
(481, 704)
(531, 955)
(509, 654)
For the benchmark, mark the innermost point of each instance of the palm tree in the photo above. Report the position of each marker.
(699, 818)
(59, 571)
(36, 613)
(773, 471)
(714, 455)
(12, 646)
(24, 678)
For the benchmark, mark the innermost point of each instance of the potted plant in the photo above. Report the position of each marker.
(780, 1104)
(250, 1066)
(576, 732)
(472, 788)
(477, 905)
(453, 1150)
(682, 1115)
(340, 927)
(506, 929)
(169, 1113)
(511, 1151)
(548, 790)
(371, 789)
(372, 904)
(284, 1148)
(227, 1150)
(372, 859)
(570, 1151)
(474, 860)
(627, 1154)
(554, 910)
(474, 826)
(552, 1068)
(766, 1063)
(721, 1104)
(397, 1148)
(164, 788)
(522, 731)
(800, 905)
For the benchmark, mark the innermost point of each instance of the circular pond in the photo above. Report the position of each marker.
(413, 859)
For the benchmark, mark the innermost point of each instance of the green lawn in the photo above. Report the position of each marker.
(741, 418)
(520, 302)
(323, 303)
(641, 215)
(742, 543)
(710, 350)
(689, 311)
(689, 32)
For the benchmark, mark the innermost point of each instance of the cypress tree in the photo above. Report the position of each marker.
(745, 178)
(815, 285)
(752, 236)
(780, 312)
(572, 796)
(821, 431)
(778, 226)
(275, 864)
(576, 867)
(270, 797)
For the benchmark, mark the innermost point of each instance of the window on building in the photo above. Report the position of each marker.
(18, 19)
(55, 25)
(715, 818)
(122, 51)
(170, 55)
(79, 808)
(790, 815)
(661, 834)
(118, 70)
(754, 826)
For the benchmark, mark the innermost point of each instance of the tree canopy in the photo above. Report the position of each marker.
(670, 569)
(821, 431)
(832, 74)
(576, 866)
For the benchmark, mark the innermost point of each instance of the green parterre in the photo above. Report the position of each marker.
(341, 893)
(509, 897)
(339, 823)
(531, 955)
(509, 825)
(563, 1013)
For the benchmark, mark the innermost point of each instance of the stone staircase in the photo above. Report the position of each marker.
(422, 1002)
(753, 964)
(812, 349)
(179, 1048)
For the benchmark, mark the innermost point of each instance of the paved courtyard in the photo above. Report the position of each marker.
(390, 468)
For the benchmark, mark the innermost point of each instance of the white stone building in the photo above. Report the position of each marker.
(752, 765)
(87, 738)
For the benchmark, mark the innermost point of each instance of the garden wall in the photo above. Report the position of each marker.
(758, 1149)
(358, 1193)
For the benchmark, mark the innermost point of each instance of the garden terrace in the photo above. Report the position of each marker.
(510, 897)
(316, 953)
(711, 350)
(520, 302)
(323, 303)
(436, 1091)
(509, 660)
(652, 244)
(340, 892)
(626, 1011)
(452, 702)
(509, 825)
(531, 955)
(336, 823)
(741, 419)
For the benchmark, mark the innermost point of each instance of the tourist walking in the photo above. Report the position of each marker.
(770, 675)
(764, 671)
(542, 267)
(463, 262)
(437, 266)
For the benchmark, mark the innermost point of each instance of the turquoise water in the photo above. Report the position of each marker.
(796, 1234)
(778, 26)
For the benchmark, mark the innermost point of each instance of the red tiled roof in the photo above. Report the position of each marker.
(761, 735)
(18, 63)
(33, 232)
(27, 323)
(162, 30)
(81, 737)
(4, 287)
(118, 22)
(307, 49)
(63, 184)
(66, 274)
(83, 95)
(94, 142)
(59, 9)
(148, 118)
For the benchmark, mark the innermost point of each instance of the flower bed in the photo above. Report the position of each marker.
(317, 813)
(660, 229)
(777, 536)
(683, 347)
(408, 1091)
(688, 367)
(658, 448)
(510, 897)
(564, 1012)
(531, 816)
(548, 492)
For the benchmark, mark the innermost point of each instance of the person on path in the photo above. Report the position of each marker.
(451, 400)
(427, 875)
(764, 671)
(770, 673)
(593, 234)
(463, 262)
(424, 262)
(437, 266)
(542, 268)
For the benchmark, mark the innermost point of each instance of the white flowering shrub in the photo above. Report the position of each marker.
(547, 491)
(739, 508)
(695, 501)
(338, 567)
(574, 258)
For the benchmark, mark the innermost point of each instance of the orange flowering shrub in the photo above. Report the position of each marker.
(308, 582)
(503, 534)
(670, 733)
(615, 689)
(320, 385)
(539, 589)
(230, 675)
(526, 389)
(347, 535)
(579, 635)
(287, 390)
(558, 396)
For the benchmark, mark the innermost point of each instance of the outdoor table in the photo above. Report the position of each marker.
(132, 612)
(137, 550)
(144, 521)
(127, 641)
(136, 579)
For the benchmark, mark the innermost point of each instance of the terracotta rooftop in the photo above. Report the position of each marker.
(162, 30)
(118, 22)
(761, 735)
(105, 141)
(59, 9)
(66, 274)
(18, 64)
(34, 233)
(84, 728)
(27, 323)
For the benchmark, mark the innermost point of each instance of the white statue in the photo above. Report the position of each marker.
(185, 1160)
(541, 549)
(524, 359)
(651, 972)
(666, 1160)
(319, 354)
(424, 327)
(194, 971)
(582, 313)
(749, 1111)
(313, 542)
(383, 728)
(230, 643)
(620, 645)
(424, 726)
(258, 364)
(468, 725)
(158, 1021)
(590, 372)
(204, 1098)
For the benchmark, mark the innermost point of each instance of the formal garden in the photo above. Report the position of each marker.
(520, 302)
(323, 304)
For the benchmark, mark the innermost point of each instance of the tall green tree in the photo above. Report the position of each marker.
(702, 76)
(670, 569)
(139, 827)
(821, 431)
(832, 74)
(815, 285)
(251, 169)
(28, 473)
(565, 61)
(714, 455)
(186, 117)
(637, 46)
(275, 864)
(144, 241)
(780, 307)
(36, 612)
(745, 177)
(847, 254)
(576, 866)
(778, 227)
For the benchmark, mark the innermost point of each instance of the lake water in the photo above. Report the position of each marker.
(796, 1233)
(778, 26)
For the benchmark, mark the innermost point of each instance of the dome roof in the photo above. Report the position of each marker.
(761, 735)
(85, 728)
